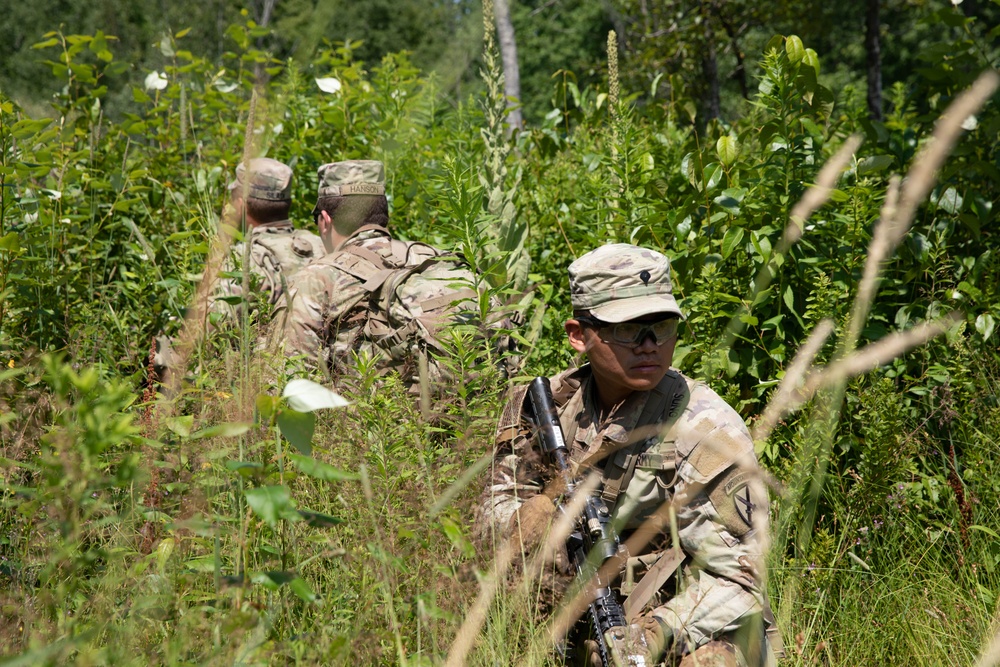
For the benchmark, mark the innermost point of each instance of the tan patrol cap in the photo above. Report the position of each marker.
(269, 179)
(351, 177)
(620, 282)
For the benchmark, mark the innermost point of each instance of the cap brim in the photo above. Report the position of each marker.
(623, 310)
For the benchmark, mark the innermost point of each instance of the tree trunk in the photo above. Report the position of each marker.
(712, 106)
(873, 48)
(508, 53)
(741, 71)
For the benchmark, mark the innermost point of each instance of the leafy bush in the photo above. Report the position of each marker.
(226, 523)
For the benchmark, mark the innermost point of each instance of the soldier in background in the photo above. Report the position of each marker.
(652, 434)
(372, 294)
(273, 248)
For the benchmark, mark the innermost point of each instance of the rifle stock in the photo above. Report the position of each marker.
(591, 544)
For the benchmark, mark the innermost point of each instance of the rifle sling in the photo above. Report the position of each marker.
(654, 579)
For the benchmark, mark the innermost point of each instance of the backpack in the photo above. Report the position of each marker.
(412, 292)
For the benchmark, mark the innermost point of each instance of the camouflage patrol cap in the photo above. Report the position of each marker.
(269, 179)
(620, 282)
(351, 177)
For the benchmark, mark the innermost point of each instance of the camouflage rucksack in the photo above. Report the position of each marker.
(277, 252)
(412, 292)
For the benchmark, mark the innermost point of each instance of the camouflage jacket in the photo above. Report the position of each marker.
(375, 296)
(276, 251)
(697, 448)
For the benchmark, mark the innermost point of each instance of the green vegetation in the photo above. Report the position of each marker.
(231, 521)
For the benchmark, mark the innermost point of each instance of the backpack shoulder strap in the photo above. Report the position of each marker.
(620, 468)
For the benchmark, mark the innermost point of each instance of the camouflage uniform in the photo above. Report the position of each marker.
(678, 440)
(374, 295)
(276, 249)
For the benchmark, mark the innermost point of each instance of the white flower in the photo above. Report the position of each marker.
(329, 85)
(224, 86)
(278, 128)
(956, 2)
(156, 81)
(970, 123)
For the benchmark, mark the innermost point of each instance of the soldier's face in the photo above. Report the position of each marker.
(622, 369)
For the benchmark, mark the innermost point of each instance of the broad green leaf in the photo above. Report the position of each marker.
(181, 425)
(789, 298)
(271, 503)
(456, 535)
(163, 552)
(166, 47)
(713, 174)
(297, 427)
(811, 58)
(731, 205)
(320, 470)
(281, 577)
(690, 171)
(302, 589)
(266, 405)
(874, 163)
(731, 240)
(45, 44)
(839, 196)
(950, 201)
(318, 520)
(794, 48)
(246, 469)
(728, 149)
(985, 324)
(10, 242)
(308, 396)
(228, 430)
(274, 579)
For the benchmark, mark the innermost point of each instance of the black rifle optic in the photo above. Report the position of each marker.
(620, 644)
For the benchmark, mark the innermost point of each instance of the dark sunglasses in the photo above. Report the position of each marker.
(633, 333)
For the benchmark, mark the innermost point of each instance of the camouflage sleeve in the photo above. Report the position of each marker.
(517, 473)
(721, 525)
(301, 314)
(310, 312)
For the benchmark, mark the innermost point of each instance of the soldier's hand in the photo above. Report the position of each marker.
(659, 637)
(592, 651)
(530, 524)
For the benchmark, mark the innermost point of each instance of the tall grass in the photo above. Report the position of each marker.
(188, 529)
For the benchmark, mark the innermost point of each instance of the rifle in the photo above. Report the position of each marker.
(620, 644)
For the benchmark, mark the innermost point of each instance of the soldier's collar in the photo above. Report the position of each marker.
(364, 229)
(278, 225)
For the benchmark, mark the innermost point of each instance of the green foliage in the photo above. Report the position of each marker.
(228, 523)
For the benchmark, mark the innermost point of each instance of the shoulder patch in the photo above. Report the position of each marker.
(737, 497)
